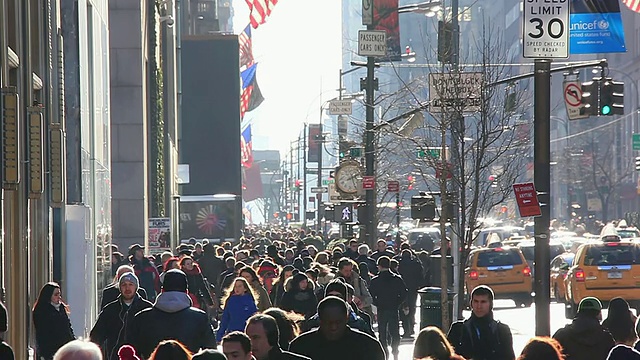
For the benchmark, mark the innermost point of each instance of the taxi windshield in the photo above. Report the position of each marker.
(499, 258)
(612, 255)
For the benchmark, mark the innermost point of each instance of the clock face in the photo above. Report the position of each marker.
(347, 178)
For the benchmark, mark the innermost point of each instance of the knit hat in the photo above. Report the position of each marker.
(590, 303)
(175, 280)
(127, 352)
(337, 286)
(267, 266)
(130, 277)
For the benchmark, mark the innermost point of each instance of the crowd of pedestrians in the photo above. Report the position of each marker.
(281, 295)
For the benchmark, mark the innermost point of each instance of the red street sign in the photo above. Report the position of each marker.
(368, 183)
(449, 169)
(527, 199)
(393, 186)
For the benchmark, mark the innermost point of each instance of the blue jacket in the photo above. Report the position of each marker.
(237, 310)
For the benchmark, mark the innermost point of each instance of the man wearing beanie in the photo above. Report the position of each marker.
(585, 338)
(6, 352)
(171, 317)
(114, 322)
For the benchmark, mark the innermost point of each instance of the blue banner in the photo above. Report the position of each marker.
(596, 27)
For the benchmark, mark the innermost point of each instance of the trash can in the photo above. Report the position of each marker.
(431, 308)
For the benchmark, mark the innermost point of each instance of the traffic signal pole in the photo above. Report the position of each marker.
(370, 232)
(542, 168)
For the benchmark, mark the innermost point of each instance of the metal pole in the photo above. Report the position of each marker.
(398, 217)
(444, 246)
(369, 153)
(541, 135)
(319, 182)
(304, 177)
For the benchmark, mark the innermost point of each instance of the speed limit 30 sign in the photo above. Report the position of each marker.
(546, 29)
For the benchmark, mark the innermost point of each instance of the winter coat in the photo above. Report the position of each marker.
(482, 339)
(584, 339)
(237, 309)
(623, 352)
(411, 270)
(299, 301)
(360, 290)
(263, 297)
(111, 293)
(276, 294)
(147, 275)
(353, 345)
(355, 322)
(53, 329)
(211, 267)
(387, 290)
(371, 264)
(171, 317)
(113, 325)
(278, 354)
(198, 290)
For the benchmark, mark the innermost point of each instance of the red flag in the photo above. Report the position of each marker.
(634, 5)
(259, 11)
(252, 188)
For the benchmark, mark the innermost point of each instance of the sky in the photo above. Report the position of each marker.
(298, 51)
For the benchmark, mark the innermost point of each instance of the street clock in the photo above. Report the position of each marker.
(347, 177)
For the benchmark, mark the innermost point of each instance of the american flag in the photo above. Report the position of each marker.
(246, 52)
(260, 10)
(633, 5)
(251, 97)
(246, 154)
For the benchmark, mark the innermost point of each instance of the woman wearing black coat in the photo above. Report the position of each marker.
(51, 321)
(299, 296)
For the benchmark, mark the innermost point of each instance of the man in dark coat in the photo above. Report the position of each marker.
(352, 251)
(145, 271)
(388, 292)
(382, 250)
(114, 322)
(363, 257)
(264, 334)
(481, 337)
(211, 265)
(585, 338)
(334, 339)
(410, 269)
(111, 292)
(172, 317)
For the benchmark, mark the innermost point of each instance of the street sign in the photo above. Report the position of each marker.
(367, 12)
(319, 190)
(393, 186)
(573, 99)
(340, 107)
(461, 92)
(527, 199)
(433, 153)
(636, 141)
(326, 182)
(372, 43)
(368, 183)
(546, 29)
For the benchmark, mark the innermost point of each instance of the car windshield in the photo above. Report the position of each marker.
(612, 255)
(625, 234)
(499, 257)
(415, 236)
(528, 252)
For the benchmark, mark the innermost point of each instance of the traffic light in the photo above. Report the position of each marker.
(637, 163)
(590, 95)
(411, 180)
(494, 180)
(611, 97)
(343, 213)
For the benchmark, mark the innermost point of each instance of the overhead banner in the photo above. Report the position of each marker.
(596, 27)
(385, 17)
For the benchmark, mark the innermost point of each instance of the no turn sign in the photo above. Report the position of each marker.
(573, 99)
(546, 29)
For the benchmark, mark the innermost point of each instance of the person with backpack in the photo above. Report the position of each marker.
(481, 337)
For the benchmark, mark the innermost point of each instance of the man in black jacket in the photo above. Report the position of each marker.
(335, 340)
(410, 269)
(388, 291)
(172, 317)
(585, 338)
(211, 265)
(114, 322)
(264, 334)
(363, 257)
(481, 337)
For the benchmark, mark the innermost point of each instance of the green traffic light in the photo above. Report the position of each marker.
(606, 110)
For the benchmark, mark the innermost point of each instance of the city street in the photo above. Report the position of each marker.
(520, 320)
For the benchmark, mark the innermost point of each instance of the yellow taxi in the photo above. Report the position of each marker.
(559, 267)
(606, 270)
(503, 269)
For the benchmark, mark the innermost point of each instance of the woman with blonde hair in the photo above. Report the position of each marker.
(239, 303)
(170, 350)
(249, 274)
(432, 344)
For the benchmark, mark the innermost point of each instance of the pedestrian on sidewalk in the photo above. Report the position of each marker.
(239, 304)
(265, 337)
(170, 350)
(620, 322)
(431, 343)
(388, 291)
(585, 338)
(542, 348)
(111, 292)
(78, 350)
(481, 337)
(51, 321)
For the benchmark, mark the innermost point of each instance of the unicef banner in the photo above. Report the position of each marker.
(596, 27)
